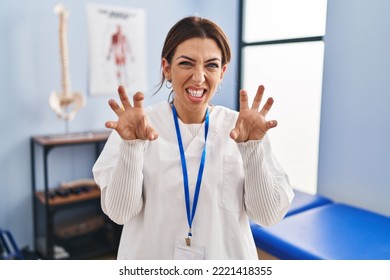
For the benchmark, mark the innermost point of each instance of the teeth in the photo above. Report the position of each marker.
(195, 93)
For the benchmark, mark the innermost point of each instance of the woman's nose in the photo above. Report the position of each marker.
(198, 76)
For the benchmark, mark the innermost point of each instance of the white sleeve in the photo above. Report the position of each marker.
(118, 172)
(268, 193)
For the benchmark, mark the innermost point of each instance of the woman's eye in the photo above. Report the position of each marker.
(213, 65)
(185, 63)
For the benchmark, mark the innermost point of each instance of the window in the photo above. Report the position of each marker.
(282, 48)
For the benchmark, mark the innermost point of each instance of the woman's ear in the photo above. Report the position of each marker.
(166, 68)
(224, 68)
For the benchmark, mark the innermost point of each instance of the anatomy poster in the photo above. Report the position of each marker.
(117, 47)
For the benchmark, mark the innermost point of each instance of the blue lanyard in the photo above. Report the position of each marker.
(190, 215)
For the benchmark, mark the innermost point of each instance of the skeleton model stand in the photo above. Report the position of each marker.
(66, 103)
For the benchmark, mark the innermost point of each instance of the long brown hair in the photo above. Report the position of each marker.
(193, 27)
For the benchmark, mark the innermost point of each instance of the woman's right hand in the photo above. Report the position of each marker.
(132, 121)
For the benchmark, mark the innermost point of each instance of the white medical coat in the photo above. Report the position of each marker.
(142, 188)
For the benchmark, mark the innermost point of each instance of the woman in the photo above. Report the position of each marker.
(184, 177)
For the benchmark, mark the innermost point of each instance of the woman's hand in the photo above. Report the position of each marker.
(251, 124)
(132, 122)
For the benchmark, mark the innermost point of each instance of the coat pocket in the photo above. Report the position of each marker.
(232, 195)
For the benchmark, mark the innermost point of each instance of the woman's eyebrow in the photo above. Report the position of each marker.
(185, 57)
(191, 59)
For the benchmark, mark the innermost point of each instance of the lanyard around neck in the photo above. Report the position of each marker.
(190, 215)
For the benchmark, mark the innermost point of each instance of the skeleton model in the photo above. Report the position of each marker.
(66, 103)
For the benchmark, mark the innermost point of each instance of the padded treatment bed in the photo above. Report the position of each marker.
(303, 201)
(334, 231)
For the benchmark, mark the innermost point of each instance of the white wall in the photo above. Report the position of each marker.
(354, 143)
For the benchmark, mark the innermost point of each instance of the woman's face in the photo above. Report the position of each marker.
(195, 72)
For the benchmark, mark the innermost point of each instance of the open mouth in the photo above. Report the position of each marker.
(196, 93)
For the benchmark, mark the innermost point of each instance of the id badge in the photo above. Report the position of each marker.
(184, 252)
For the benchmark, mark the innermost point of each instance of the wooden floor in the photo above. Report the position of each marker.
(265, 256)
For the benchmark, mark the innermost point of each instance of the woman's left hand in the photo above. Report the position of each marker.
(251, 123)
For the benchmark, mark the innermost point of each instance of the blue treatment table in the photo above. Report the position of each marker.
(303, 201)
(333, 231)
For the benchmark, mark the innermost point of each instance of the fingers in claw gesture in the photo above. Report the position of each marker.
(251, 123)
(132, 122)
